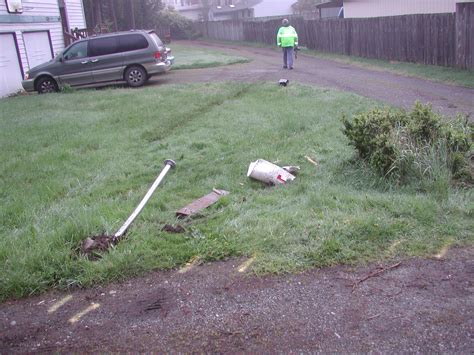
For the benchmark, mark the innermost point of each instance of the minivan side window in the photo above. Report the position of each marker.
(77, 51)
(132, 42)
(103, 46)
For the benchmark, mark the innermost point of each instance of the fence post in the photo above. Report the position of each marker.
(464, 35)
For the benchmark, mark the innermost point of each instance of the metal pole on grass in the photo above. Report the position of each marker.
(168, 165)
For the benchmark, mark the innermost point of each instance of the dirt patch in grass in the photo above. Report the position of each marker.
(97, 244)
(173, 228)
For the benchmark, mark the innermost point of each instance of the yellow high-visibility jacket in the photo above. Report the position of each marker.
(287, 37)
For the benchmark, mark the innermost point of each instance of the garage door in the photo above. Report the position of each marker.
(10, 72)
(38, 48)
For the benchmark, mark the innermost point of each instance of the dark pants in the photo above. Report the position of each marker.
(288, 57)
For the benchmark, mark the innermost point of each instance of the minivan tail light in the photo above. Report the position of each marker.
(157, 55)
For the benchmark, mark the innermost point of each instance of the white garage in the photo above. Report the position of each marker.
(10, 68)
(38, 47)
(30, 32)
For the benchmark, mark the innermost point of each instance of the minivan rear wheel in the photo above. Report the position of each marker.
(136, 76)
(46, 85)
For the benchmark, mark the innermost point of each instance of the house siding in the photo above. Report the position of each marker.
(380, 8)
(75, 14)
(268, 8)
(330, 12)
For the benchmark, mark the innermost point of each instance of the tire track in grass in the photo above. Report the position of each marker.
(159, 133)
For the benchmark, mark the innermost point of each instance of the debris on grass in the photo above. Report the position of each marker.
(269, 173)
(98, 243)
(375, 273)
(101, 243)
(201, 203)
(292, 169)
(173, 228)
(312, 161)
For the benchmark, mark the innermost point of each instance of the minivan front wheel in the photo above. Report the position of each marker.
(46, 84)
(136, 76)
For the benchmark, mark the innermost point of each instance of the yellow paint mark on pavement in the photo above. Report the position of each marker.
(246, 264)
(81, 314)
(59, 304)
(190, 265)
(442, 253)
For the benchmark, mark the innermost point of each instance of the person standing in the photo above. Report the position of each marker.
(287, 39)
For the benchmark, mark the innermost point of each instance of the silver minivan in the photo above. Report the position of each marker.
(131, 57)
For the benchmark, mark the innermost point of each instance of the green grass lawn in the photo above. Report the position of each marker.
(193, 58)
(76, 164)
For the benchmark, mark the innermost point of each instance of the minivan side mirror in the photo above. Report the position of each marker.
(61, 59)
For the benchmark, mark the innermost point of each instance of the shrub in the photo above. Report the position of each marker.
(67, 89)
(419, 144)
(180, 26)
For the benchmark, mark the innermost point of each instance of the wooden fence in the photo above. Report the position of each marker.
(465, 35)
(437, 39)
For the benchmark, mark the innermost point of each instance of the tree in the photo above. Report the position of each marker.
(113, 14)
(306, 7)
(206, 5)
(122, 14)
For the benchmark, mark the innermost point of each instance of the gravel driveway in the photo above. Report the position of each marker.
(423, 305)
(389, 88)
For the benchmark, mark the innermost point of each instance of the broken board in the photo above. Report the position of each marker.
(201, 203)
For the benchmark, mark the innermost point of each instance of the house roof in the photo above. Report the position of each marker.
(237, 7)
(332, 3)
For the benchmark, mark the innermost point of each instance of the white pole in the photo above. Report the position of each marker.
(168, 165)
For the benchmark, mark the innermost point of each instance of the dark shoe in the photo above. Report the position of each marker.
(291, 68)
(284, 67)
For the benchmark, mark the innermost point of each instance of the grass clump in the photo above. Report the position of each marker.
(419, 145)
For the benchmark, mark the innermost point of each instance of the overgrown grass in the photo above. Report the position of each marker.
(452, 76)
(193, 58)
(75, 165)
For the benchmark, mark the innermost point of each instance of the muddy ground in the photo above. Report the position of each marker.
(423, 305)
(388, 88)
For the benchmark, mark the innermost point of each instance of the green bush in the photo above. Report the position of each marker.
(416, 145)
